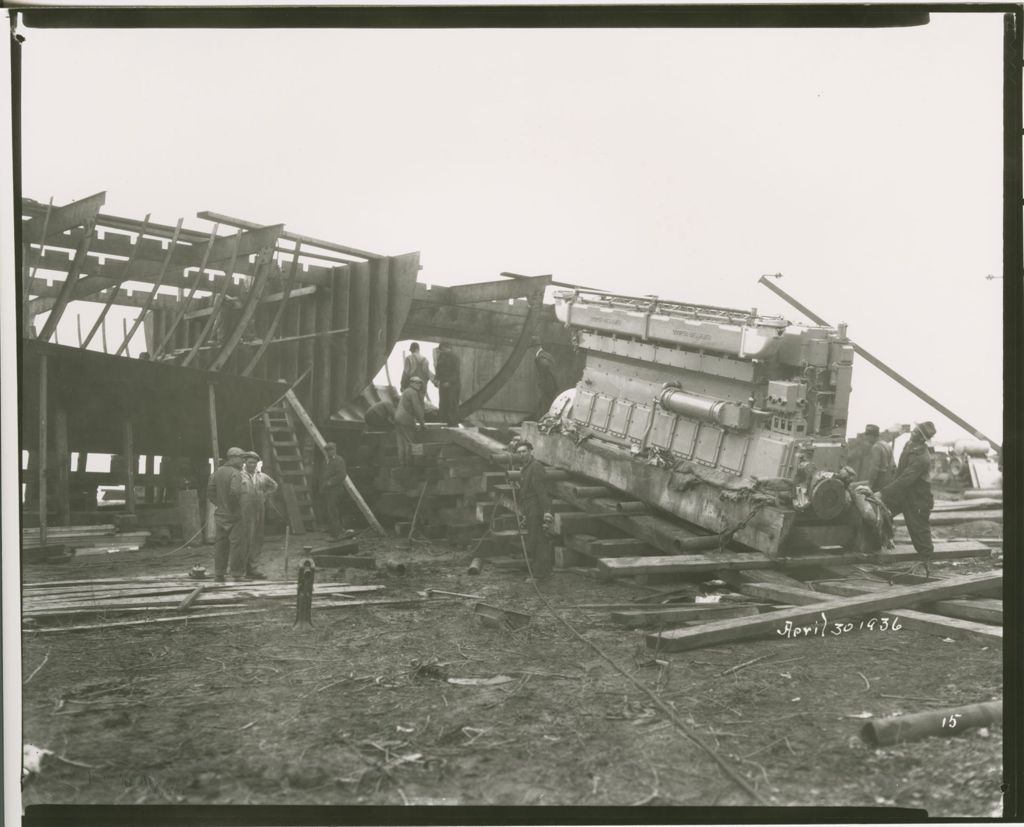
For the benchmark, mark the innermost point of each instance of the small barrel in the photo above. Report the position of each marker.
(475, 566)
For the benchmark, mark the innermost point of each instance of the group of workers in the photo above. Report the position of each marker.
(239, 493)
(903, 487)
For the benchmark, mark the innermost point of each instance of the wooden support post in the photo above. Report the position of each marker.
(131, 463)
(210, 527)
(324, 298)
(304, 598)
(150, 471)
(318, 438)
(60, 438)
(42, 447)
(359, 326)
(339, 344)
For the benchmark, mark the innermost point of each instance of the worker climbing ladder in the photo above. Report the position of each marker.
(281, 422)
(289, 466)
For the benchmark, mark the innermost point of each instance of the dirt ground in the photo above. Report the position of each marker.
(244, 710)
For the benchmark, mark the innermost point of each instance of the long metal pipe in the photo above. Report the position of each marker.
(885, 732)
(685, 404)
(888, 371)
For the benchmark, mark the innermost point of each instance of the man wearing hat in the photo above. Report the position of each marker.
(409, 416)
(257, 488)
(910, 492)
(332, 486)
(878, 466)
(415, 364)
(224, 490)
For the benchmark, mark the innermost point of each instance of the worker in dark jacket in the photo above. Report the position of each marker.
(224, 490)
(448, 378)
(332, 486)
(409, 416)
(547, 382)
(878, 467)
(910, 492)
(535, 504)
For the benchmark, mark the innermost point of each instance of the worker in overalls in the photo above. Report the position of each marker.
(878, 466)
(910, 493)
(535, 505)
(409, 416)
(224, 491)
(257, 488)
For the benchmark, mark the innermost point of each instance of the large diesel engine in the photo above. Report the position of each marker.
(729, 419)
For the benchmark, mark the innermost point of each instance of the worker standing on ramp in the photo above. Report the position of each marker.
(547, 383)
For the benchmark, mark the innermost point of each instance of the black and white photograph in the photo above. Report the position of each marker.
(515, 415)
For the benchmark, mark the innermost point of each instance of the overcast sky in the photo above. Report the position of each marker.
(864, 165)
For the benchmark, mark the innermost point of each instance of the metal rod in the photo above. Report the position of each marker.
(888, 371)
(304, 239)
(42, 448)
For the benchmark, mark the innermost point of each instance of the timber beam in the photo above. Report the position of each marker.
(62, 219)
(486, 291)
(115, 272)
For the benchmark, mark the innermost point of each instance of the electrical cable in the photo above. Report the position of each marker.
(734, 776)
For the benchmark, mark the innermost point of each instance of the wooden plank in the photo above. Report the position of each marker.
(568, 523)
(60, 439)
(721, 631)
(322, 360)
(67, 288)
(64, 218)
(666, 615)
(291, 504)
(967, 505)
(684, 563)
(980, 610)
(339, 344)
(487, 291)
(359, 327)
(611, 547)
(911, 618)
(377, 340)
(957, 517)
(146, 622)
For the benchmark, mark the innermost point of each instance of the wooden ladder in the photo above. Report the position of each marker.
(291, 469)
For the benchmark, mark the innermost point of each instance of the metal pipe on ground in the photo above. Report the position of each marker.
(885, 732)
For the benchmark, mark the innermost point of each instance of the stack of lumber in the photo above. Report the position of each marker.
(96, 538)
(957, 606)
(179, 595)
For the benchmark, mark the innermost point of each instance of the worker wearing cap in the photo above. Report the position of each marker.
(380, 416)
(415, 364)
(257, 488)
(332, 488)
(877, 470)
(911, 492)
(535, 502)
(409, 416)
(547, 382)
(449, 383)
(224, 491)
